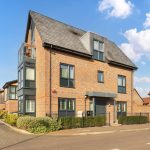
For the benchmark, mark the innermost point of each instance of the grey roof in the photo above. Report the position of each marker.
(9, 83)
(62, 35)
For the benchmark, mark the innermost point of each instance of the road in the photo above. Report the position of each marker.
(131, 140)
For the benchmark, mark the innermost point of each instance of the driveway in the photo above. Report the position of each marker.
(121, 140)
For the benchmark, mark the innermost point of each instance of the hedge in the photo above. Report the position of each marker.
(38, 125)
(11, 119)
(3, 114)
(76, 122)
(132, 120)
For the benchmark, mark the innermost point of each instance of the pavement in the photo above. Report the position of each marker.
(131, 137)
(101, 130)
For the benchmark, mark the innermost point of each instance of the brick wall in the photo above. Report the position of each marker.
(2, 106)
(138, 104)
(85, 79)
(12, 106)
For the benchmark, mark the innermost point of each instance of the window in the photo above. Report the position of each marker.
(20, 103)
(30, 73)
(30, 104)
(66, 104)
(66, 107)
(121, 106)
(20, 78)
(98, 51)
(121, 84)
(101, 76)
(66, 75)
(62, 105)
(12, 92)
(71, 106)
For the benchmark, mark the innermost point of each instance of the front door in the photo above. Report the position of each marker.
(100, 107)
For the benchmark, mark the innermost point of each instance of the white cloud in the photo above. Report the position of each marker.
(142, 79)
(138, 44)
(121, 9)
(143, 63)
(147, 21)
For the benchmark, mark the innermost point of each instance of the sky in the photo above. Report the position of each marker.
(125, 22)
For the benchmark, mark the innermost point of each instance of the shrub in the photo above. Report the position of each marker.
(11, 119)
(132, 120)
(38, 125)
(76, 122)
(3, 114)
(24, 122)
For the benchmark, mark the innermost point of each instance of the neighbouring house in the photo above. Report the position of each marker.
(65, 70)
(146, 100)
(2, 103)
(141, 105)
(10, 96)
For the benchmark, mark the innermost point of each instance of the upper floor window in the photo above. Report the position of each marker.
(121, 84)
(12, 92)
(20, 78)
(66, 75)
(98, 51)
(30, 77)
(30, 73)
(101, 76)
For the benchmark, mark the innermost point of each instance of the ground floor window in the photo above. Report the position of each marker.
(30, 104)
(20, 104)
(66, 107)
(121, 108)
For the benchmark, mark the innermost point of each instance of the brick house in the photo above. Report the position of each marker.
(2, 102)
(66, 70)
(9, 98)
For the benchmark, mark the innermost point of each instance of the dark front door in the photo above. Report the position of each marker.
(100, 107)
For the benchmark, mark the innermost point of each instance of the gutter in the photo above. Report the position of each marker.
(122, 65)
(66, 50)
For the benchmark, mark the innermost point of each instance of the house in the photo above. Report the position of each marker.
(146, 100)
(65, 70)
(8, 97)
(2, 104)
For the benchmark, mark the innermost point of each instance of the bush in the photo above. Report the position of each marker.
(132, 120)
(38, 125)
(11, 119)
(24, 122)
(3, 114)
(76, 122)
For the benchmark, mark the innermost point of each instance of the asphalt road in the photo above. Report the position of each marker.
(133, 140)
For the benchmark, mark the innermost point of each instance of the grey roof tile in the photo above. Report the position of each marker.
(60, 34)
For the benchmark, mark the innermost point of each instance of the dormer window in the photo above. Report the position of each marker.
(98, 50)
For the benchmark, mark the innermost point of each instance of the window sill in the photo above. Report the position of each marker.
(99, 60)
(122, 93)
(101, 82)
(67, 87)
